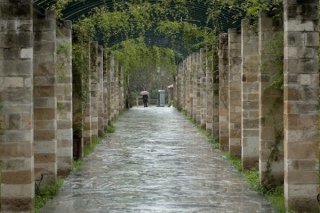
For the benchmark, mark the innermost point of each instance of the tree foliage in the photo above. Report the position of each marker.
(147, 35)
(225, 13)
(59, 6)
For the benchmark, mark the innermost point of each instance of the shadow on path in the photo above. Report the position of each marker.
(156, 161)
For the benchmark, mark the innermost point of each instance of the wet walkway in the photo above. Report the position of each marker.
(157, 161)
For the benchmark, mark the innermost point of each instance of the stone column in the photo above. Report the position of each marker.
(170, 94)
(198, 91)
(106, 89)
(108, 86)
(301, 95)
(223, 92)
(86, 102)
(203, 89)
(100, 92)
(80, 124)
(16, 111)
(189, 86)
(176, 88)
(234, 92)
(112, 87)
(180, 90)
(181, 86)
(120, 88)
(181, 73)
(250, 96)
(64, 97)
(45, 98)
(215, 86)
(116, 89)
(184, 85)
(271, 102)
(194, 86)
(94, 71)
(174, 97)
(209, 89)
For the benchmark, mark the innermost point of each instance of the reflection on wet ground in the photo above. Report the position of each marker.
(156, 161)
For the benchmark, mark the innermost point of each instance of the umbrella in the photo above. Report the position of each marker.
(144, 93)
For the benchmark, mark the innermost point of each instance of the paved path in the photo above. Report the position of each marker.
(157, 161)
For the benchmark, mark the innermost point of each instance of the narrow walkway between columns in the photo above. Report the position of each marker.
(156, 161)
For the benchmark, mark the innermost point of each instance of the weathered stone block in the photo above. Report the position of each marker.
(15, 151)
(16, 177)
(45, 158)
(17, 204)
(46, 124)
(44, 135)
(44, 91)
(26, 53)
(44, 114)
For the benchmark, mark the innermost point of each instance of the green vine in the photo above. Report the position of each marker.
(60, 106)
(274, 52)
(81, 87)
(268, 181)
(63, 55)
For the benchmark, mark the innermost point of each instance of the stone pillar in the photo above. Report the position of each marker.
(301, 95)
(94, 70)
(170, 94)
(215, 103)
(189, 86)
(175, 90)
(64, 97)
(234, 91)
(194, 86)
(209, 89)
(116, 89)
(106, 89)
(107, 86)
(81, 129)
(182, 89)
(177, 87)
(250, 96)
(271, 102)
(198, 90)
(86, 102)
(223, 92)
(203, 89)
(16, 111)
(181, 86)
(120, 88)
(100, 92)
(185, 83)
(45, 98)
(111, 77)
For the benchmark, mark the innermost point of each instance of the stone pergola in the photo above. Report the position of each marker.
(272, 130)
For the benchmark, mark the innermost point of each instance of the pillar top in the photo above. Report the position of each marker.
(234, 30)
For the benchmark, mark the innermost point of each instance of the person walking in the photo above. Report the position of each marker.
(145, 100)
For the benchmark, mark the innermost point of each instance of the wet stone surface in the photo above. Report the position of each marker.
(156, 161)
